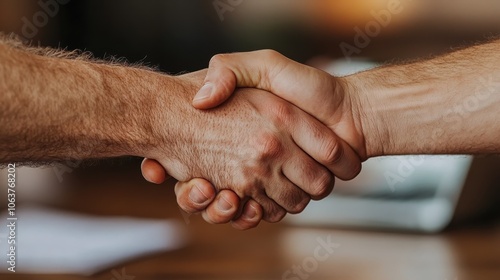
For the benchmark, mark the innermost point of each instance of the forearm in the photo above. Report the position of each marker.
(447, 105)
(56, 108)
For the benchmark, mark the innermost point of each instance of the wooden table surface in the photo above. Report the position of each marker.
(219, 252)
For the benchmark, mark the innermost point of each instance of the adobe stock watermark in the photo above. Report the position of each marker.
(459, 112)
(309, 265)
(48, 9)
(66, 167)
(122, 275)
(406, 168)
(372, 29)
(81, 151)
(472, 103)
(224, 6)
(453, 117)
(185, 216)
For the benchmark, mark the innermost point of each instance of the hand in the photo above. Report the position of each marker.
(316, 92)
(329, 99)
(263, 64)
(199, 195)
(262, 151)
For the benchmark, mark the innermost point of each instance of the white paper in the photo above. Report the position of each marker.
(50, 241)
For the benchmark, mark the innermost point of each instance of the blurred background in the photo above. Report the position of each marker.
(182, 35)
(459, 194)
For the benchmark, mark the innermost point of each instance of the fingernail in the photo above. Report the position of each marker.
(204, 93)
(249, 213)
(224, 205)
(197, 196)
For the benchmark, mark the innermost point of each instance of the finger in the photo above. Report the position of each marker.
(250, 216)
(315, 180)
(272, 212)
(225, 73)
(273, 72)
(194, 196)
(219, 85)
(153, 171)
(289, 196)
(324, 146)
(223, 209)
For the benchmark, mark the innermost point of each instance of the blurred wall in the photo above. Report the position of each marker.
(179, 35)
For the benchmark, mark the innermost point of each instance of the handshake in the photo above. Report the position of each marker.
(268, 135)
(283, 136)
(256, 135)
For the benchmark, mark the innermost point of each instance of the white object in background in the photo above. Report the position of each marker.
(50, 241)
(445, 175)
(345, 67)
(36, 185)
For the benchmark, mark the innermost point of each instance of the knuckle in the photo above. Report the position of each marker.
(247, 188)
(241, 189)
(224, 86)
(323, 186)
(267, 146)
(300, 206)
(217, 59)
(281, 113)
(276, 216)
(354, 172)
(333, 152)
(293, 200)
(270, 55)
(248, 185)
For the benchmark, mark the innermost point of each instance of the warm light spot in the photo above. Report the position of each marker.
(342, 16)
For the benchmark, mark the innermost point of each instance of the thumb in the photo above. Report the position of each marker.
(228, 71)
(308, 88)
(153, 171)
(219, 85)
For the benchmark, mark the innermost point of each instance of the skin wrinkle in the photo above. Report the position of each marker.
(418, 97)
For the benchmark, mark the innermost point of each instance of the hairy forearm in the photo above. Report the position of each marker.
(446, 105)
(55, 108)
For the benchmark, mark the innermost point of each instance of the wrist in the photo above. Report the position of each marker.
(172, 117)
(130, 100)
(365, 99)
(399, 112)
(440, 106)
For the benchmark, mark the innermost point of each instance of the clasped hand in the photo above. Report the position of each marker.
(277, 134)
